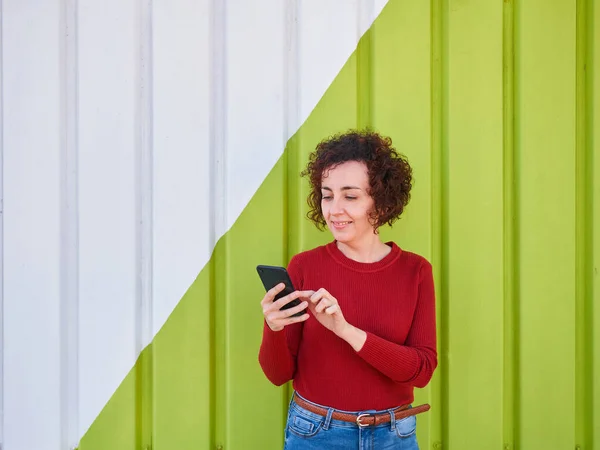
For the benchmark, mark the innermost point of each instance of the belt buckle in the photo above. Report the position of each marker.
(360, 416)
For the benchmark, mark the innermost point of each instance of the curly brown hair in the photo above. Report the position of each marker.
(390, 175)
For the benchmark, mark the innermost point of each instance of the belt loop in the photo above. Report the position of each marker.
(392, 419)
(328, 419)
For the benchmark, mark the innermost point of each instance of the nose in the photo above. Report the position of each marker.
(336, 207)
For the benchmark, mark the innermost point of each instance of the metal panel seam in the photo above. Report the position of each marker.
(69, 228)
(364, 67)
(445, 214)
(439, 168)
(583, 239)
(593, 351)
(290, 154)
(144, 224)
(516, 246)
(510, 400)
(218, 218)
(1, 234)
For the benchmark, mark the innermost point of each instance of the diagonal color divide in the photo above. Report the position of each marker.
(198, 384)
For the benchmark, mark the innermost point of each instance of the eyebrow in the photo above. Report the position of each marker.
(345, 188)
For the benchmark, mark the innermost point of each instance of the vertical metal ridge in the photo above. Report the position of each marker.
(291, 97)
(516, 234)
(144, 228)
(219, 117)
(439, 226)
(1, 234)
(593, 199)
(592, 351)
(510, 377)
(217, 211)
(365, 15)
(583, 240)
(445, 218)
(291, 156)
(364, 67)
(69, 228)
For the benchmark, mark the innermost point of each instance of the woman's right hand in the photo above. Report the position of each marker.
(277, 319)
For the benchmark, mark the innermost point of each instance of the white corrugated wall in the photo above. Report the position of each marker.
(133, 134)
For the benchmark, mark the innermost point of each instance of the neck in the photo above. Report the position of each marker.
(369, 250)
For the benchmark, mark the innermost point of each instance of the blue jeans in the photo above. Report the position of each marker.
(309, 431)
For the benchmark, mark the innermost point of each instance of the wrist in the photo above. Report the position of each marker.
(353, 336)
(346, 331)
(275, 329)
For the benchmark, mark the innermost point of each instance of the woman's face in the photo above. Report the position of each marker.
(346, 202)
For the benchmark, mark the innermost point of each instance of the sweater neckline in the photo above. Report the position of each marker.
(342, 259)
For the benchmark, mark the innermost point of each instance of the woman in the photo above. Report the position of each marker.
(367, 336)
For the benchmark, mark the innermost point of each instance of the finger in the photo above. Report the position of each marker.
(316, 296)
(271, 293)
(324, 303)
(274, 316)
(296, 309)
(276, 290)
(269, 305)
(285, 300)
(301, 318)
(332, 309)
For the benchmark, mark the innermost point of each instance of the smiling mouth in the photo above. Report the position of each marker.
(341, 224)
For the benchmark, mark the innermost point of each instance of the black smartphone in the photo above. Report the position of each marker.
(271, 276)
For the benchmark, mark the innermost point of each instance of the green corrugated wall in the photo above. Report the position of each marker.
(495, 104)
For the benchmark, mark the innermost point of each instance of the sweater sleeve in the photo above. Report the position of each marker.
(415, 361)
(279, 349)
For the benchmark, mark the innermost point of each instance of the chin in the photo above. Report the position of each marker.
(341, 237)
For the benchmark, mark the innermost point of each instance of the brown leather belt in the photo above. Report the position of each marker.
(365, 419)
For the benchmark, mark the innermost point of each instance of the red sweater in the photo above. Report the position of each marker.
(392, 300)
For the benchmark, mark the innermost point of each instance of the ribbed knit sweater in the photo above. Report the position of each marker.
(392, 300)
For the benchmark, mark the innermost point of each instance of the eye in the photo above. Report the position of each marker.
(350, 198)
(326, 197)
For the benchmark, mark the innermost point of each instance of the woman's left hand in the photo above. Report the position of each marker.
(326, 310)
